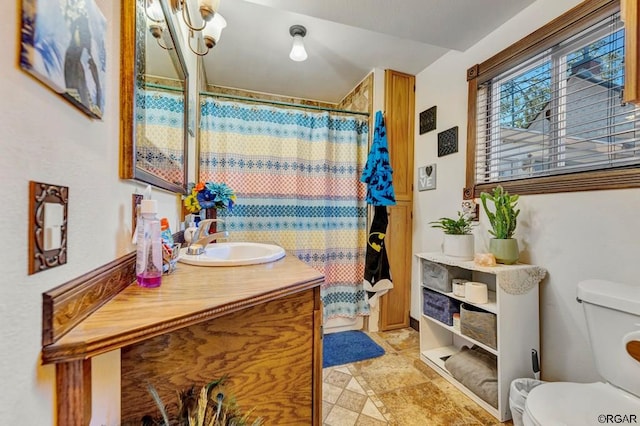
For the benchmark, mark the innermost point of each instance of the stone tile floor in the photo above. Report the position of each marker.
(395, 389)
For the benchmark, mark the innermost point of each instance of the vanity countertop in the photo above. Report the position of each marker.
(190, 295)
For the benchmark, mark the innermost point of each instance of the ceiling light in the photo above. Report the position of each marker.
(298, 53)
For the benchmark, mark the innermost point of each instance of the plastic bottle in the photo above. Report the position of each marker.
(167, 244)
(165, 234)
(149, 246)
(190, 232)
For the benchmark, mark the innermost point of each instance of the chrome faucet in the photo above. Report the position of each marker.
(202, 237)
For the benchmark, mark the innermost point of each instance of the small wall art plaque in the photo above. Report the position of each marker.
(448, 142)
(428, 120)
(427, 177)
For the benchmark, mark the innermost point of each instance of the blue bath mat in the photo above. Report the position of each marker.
(348, 346)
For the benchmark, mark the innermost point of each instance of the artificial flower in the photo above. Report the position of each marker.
(206, 195)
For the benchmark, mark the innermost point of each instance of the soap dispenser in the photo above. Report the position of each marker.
(191, 231)
(149, 246)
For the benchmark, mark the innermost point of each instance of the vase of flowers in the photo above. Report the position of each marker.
(207, 198)
(209, 195)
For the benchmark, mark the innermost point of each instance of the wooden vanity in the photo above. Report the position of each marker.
(258, 324)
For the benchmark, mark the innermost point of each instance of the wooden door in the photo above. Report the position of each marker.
(399, 119)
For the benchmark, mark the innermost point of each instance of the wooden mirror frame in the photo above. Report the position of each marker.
(130, 47)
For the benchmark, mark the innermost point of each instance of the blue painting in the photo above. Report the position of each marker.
(63, 45)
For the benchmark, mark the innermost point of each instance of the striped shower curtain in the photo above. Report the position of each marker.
(296, 175)
(159, 133)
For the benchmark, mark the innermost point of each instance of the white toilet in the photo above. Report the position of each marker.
(612, 311)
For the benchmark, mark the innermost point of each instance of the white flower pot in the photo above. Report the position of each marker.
(458, 246)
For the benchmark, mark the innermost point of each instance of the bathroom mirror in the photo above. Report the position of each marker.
(153, 97)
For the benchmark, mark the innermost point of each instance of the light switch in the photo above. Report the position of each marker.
(53, 221)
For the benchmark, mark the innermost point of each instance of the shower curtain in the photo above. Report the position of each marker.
(159, 133)
(296, 176)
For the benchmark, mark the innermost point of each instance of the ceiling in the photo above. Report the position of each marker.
(345, 40)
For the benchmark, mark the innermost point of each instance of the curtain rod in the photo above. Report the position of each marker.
(289, 104)
(163, 87)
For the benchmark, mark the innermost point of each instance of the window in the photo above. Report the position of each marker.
(550, 117)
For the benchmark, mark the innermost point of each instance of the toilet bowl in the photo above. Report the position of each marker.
(580, 404)
(612, 313)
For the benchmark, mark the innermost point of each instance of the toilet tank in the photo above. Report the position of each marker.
(612, 311)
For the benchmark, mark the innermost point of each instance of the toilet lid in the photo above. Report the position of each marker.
(563, 403)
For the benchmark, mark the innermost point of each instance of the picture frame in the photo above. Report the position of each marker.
(448, 142)
(428, 120)
(63, 46)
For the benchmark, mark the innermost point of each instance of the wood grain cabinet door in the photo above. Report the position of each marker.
(399, 119)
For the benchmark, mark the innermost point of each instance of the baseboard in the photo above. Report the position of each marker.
(414, 323)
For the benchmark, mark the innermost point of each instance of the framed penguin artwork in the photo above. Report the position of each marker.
(63, 45)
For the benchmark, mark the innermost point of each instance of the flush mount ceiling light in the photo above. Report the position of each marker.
(212, 22)
(298, 53)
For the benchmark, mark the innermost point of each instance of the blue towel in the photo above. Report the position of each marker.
(377, 173)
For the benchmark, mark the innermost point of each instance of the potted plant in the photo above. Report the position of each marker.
(458, 240)
(503, 220)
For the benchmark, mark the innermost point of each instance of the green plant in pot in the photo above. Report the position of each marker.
(503, 220)
(458, 240)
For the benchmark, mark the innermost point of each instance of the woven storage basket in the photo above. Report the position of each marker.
(439, 306)
(478, 324)
(439, 276)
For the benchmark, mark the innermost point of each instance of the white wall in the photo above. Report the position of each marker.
(46, 139)
(574, 236)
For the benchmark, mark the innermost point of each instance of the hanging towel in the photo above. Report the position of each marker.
(377, 276)
(377, 172)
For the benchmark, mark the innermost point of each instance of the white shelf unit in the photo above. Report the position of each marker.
(517, 323)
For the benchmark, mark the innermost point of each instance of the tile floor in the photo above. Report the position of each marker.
(395, 389)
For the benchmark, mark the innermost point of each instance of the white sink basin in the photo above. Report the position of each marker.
(233, 254)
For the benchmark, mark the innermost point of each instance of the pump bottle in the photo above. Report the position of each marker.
(149, 246)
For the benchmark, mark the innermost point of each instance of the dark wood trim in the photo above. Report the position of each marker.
(414, 323)
(472, 72)
(631, 18)
(573, 21)
(67, 305)
(586, 181)
(472, 127)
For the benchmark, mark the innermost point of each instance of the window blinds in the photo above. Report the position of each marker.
(559, 112)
